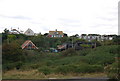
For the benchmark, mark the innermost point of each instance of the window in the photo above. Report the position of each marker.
(30, 45)
(56, 33)
(28, 31)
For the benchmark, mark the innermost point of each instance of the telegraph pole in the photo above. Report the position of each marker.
(72, 42)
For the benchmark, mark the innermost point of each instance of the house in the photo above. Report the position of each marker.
(65, 46)
(112, 36)
(83, 36)
(29, 32)
(28, 45)
(104, 37)
(76, 46)
(61, 47)
(93, 37)
(55, 33)
(83, 45)
(14, 31)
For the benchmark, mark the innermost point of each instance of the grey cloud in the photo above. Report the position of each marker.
(107, 19)
(70, 25)
(45, 28)
(33, 22)
(68, 20)
(104, 25)
(109, 22)
(16, 17)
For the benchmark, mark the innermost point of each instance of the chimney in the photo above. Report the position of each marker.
(56, 30)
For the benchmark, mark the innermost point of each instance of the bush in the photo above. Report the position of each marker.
(7, 67)
(86, 68)
(10, 66)
(46, 70)
(64, 69)
(97, 68)
(69, 52)
(85, 46)
(12, 56)
(49, 63)
(34, 66)
(18, 65)
(83, 68)
(84, 52)
(113, 71)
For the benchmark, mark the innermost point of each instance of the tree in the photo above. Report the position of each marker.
(12, 56)
(4, 34)
(65, 35)
(80, 40)
(45, 34)
(76, 35)
(116, 40)
(11, 37)
(6, 31)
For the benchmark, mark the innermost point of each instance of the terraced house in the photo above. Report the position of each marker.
(56, 33)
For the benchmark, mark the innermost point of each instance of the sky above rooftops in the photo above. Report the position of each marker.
(70, 16)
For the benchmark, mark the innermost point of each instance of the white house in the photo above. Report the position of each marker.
(29, 32)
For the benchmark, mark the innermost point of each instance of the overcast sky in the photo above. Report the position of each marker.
(70, 16)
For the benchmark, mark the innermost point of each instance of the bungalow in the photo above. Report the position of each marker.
(56, 33)
(28, 45)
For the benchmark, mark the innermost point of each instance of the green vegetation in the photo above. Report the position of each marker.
(91, 60)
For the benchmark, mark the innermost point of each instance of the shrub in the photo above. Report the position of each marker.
(84, 52)
(97, 68)
(69, 52)
(85, 46)
(83, 68)
(34, 66)
(86, 68)
(46, 70)
(113, 71)
(64, 69)
(49, 63)
(18, 65)
(9, 66)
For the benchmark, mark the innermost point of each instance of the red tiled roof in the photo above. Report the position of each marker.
(27, 42)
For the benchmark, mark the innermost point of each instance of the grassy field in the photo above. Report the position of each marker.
(34, 74)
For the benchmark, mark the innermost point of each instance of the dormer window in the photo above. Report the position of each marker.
(56, 33)
(28, 31)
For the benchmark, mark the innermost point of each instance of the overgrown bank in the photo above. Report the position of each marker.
(32, 63)
(66, 62)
